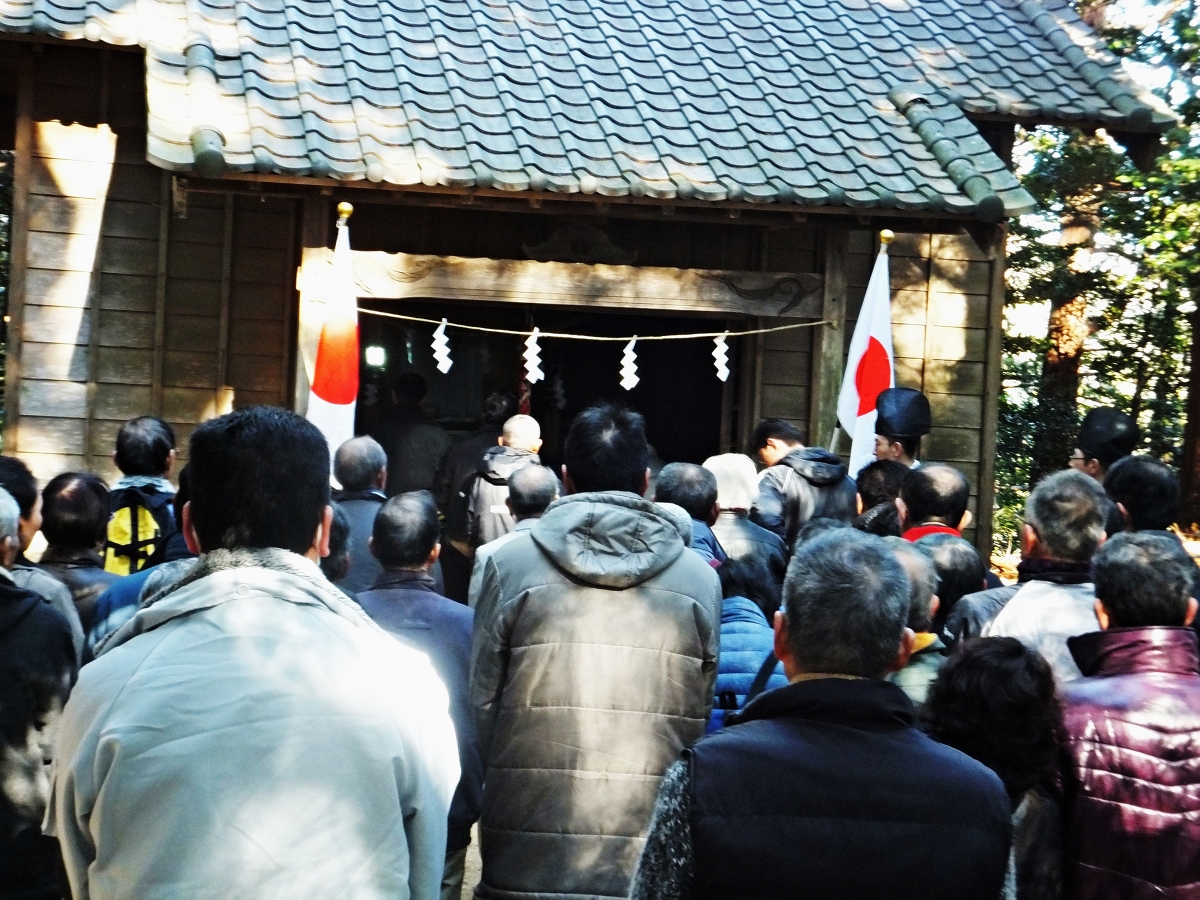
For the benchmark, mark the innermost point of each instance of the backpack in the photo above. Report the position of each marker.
(139, 525)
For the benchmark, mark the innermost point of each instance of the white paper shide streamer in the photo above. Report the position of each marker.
(721, 357)
(629, 375)
(533, 359)
(560, 392)
(441, 348)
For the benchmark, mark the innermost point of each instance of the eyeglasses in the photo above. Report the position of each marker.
(1078, 458)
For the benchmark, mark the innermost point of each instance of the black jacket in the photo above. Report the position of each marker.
(489, 517)
(37, 669)
(83, 574)
(742, 539)
(832, 793)
(459, 463)
(360, 508)
(808, 483)
(407, 605)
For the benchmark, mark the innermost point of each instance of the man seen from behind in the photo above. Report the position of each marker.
(250, 732)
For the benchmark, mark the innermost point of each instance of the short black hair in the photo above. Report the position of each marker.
(498, 408)
(1144, 579)
(935, 492)
(994, 700)
(16, 478)
(959, 566)
(411, 387)
(779, 429)
(1148, 489)
(816, 527)
(530, 490)
(358, 462)
(688, 485)
(882, 520)
(749, 577)
(260, 478)
(406, 530)
(182, 495)
(911, 445)
(144, 446)
(606, 449)
(880, 482)
(337, 563)
(75, 511)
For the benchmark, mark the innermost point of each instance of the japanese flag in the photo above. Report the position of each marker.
(334, 389)
(869, 369)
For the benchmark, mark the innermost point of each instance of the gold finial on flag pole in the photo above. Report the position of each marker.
(885, 237)
(345, 211)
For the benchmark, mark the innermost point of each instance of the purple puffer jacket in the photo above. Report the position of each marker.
(1131, 771)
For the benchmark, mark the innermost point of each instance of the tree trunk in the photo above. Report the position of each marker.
(1189, 472)
(1055, 434)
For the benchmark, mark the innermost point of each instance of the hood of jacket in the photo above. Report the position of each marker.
(612, 539)
(499, 462)
(222, 576)
(1135, 651)
(819, 467)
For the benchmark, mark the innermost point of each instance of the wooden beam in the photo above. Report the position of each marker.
(401, 276)
(18, 249)
(991, 395)
(829, 343)
(160, 292)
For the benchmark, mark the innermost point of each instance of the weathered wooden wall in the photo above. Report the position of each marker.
(118, 306)
(946, 306)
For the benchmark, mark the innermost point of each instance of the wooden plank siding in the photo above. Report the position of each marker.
(124, 308)
(943, 301)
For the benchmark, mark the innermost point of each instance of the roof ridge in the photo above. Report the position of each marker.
(1139, 113)
(916, 108)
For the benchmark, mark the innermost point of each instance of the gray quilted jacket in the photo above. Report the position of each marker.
(593, 664)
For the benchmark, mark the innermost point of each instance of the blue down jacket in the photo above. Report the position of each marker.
(746, 639)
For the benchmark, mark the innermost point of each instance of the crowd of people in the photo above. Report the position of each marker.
(728, 682)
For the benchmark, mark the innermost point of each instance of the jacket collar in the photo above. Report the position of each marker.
(82, 559)
(857, 702)
(1136, 651)
(920, 531)
(1056, 571)
(405, 579)
(343, 496)
(224, 576)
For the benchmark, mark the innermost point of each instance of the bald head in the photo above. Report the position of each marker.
(530, 490)
(522, 433)
(360, 465)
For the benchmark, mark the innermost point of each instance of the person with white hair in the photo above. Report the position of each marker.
(36, 674)
(737, 486)
(488, 514)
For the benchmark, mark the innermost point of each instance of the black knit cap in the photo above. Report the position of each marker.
(1107, 434)
(903, 412)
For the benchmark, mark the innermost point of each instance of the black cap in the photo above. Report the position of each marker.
(903, 412)
(1107, 434)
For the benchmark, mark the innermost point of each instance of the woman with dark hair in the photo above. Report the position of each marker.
(994, 700)
(75, 514)
(747, 638)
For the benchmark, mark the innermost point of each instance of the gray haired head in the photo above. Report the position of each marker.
(846, 597)
(1067, 511)
(1144, 579)
(922, 582)
(10, 519)
(358, 463)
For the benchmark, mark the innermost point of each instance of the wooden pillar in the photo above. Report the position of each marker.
(18, 248)
(991, 392)
(829, 343)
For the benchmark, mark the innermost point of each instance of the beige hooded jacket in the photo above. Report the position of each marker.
(595, 654)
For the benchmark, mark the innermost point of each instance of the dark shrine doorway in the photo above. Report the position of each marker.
(683, 401)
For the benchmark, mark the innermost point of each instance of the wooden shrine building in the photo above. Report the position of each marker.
(631, 166)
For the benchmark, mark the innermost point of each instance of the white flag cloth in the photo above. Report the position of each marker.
(334, 390)
(869, 367)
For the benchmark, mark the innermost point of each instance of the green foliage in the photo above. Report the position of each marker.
(1139, 275)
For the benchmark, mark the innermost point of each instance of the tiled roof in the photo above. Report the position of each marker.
(859, 103)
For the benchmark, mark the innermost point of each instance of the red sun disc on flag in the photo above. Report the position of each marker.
(335, 379)
(873, 376)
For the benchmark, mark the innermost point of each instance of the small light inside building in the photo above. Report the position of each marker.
(376, 357)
